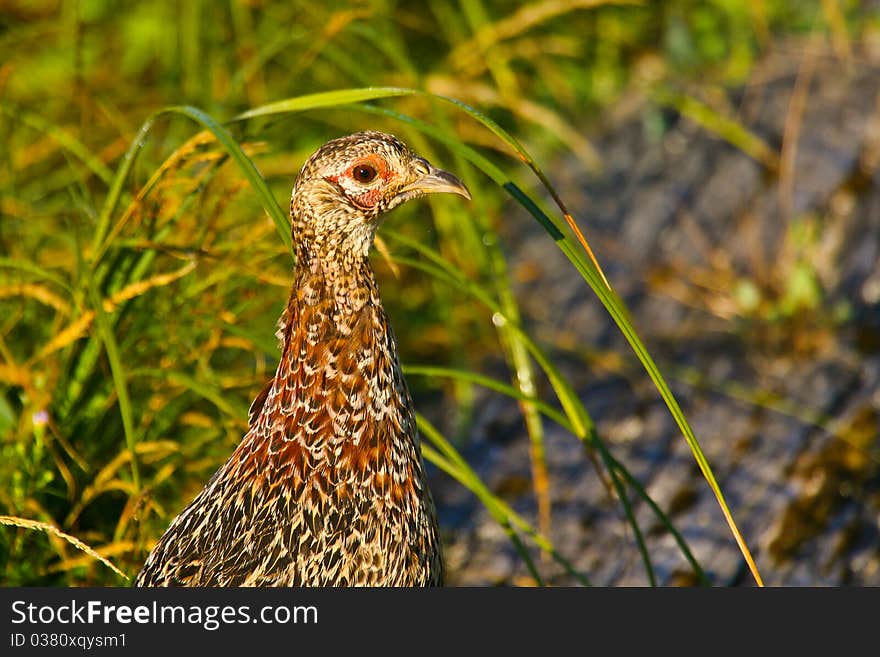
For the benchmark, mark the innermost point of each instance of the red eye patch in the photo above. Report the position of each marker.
(355, 181)
(367, 169)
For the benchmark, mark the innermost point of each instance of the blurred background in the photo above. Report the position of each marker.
(721, 157)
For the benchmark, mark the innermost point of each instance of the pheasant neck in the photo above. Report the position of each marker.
(341, 281)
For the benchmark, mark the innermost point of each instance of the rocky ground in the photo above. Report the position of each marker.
(758, 293)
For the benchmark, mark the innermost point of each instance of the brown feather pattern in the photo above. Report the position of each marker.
(327, 487)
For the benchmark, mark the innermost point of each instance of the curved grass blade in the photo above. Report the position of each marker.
(582, 424)
(26, 523)
(487, 256)
(491, 384)
(611, 463)
(247, 167)
(577, 414)
(580, 420)
(617, 310)
(115, 192)
(503, 514)
(662, 517)
(326, 99)
(170, 162)
(456, 473)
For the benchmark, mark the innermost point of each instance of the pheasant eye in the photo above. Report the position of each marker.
(364, 173)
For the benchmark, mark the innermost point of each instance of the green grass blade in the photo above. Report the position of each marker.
(247, 167)
(661, 515)
(578, 420)
(611, 463)
(326, 99)
(503, 514)
(115, 192)
(454, 471)
(582, 424)
(618, 312)
(491, 384)
(627, 508)
(105, 331)
(574, 410)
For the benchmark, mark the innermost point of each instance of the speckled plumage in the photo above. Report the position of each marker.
(327, 487)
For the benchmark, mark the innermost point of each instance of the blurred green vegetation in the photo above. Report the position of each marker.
(184, 293)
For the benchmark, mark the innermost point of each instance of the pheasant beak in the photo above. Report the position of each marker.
(436, 181)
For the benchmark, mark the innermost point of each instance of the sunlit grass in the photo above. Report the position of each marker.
(576, 413)
(146, 254)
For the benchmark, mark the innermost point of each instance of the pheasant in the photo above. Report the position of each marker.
(327, 487)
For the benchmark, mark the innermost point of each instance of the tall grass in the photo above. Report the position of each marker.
(145, 255)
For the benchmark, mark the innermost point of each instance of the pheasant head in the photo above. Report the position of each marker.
(347, 185)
